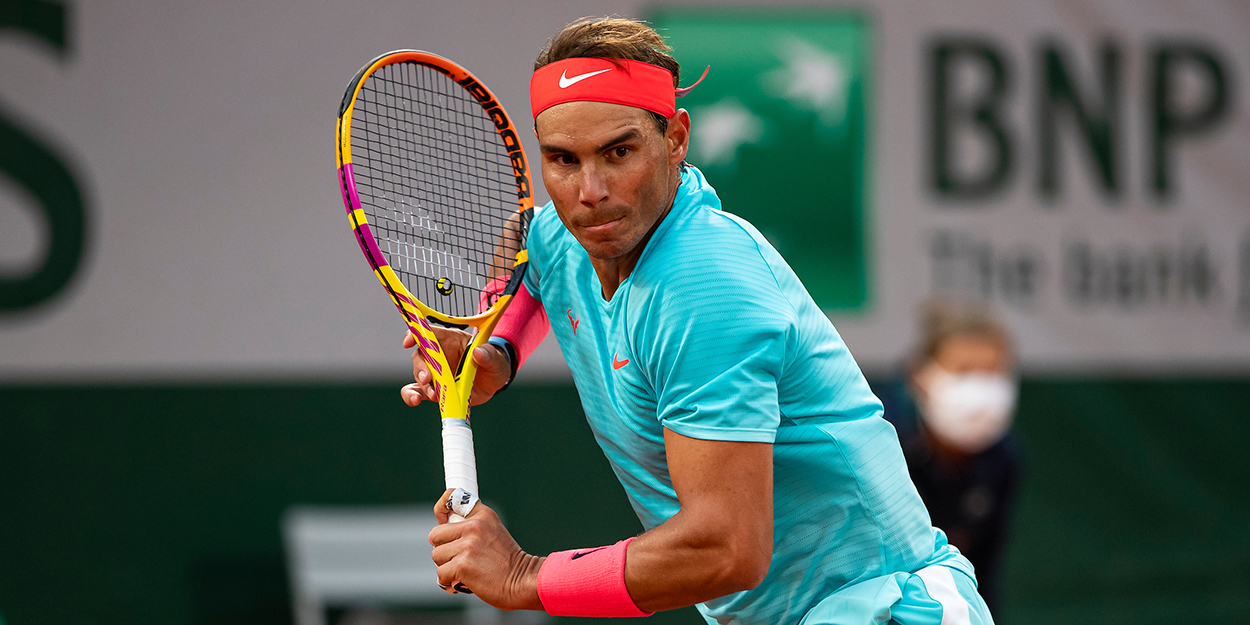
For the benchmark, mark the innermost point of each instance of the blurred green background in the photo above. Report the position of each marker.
(160, 504)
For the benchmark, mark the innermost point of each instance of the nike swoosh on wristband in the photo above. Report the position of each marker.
(586, 553)
(566, 82)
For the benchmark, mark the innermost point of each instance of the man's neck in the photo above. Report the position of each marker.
(614, 271)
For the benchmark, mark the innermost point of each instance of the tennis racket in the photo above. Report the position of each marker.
(438, 193)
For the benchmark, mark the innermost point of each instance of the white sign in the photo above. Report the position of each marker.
(1085, 167)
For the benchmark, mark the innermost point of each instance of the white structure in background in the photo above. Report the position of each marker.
(367, 558)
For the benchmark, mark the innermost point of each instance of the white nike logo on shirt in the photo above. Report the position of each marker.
(565, 81)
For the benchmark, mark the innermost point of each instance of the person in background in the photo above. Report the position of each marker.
(953, 411)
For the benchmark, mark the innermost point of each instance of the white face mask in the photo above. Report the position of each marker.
(969, 411)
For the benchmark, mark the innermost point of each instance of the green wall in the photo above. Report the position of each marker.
(1136, 506)
(160, 504)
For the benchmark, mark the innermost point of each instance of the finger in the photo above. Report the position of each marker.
(418, 365)
(482, 354)
(425, 386)
(446, 533)
(493, 373)
(455, 588)
(440, 508)
(447, 578)
(443, 553)
(491, 361)
(409, 340)
(411, 395)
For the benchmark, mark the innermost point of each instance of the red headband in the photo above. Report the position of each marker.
(617, 81)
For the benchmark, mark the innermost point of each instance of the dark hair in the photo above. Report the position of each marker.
(612, 38)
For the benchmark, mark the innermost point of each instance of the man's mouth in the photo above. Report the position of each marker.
(600, 227)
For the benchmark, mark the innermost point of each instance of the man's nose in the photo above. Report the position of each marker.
(592, 188)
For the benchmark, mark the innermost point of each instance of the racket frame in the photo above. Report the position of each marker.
(453, 384)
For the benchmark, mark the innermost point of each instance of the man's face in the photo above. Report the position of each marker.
(610, 172)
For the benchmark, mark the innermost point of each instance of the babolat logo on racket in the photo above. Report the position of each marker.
(444, 286)
(510, 141)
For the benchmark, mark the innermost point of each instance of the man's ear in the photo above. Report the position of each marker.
(677, 137)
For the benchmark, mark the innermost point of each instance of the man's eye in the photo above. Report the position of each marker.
(620, 152)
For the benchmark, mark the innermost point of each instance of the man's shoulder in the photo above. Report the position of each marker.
(711, 262)
(703, 214)
(545, 223)
(714, 248)
(708, 220)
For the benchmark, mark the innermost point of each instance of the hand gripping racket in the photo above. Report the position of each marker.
(437, 189)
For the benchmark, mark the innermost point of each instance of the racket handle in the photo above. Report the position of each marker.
(459, 463)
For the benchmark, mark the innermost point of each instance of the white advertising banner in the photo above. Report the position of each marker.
(169, 209)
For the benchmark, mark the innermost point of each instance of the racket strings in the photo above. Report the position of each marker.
(434, 179)
(436, 185)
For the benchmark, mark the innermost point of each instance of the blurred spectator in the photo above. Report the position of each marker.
(953, 411)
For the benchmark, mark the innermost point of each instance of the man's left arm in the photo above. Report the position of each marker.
(718, 543)
(721, 541)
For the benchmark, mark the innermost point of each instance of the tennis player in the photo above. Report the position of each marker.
(749, 444)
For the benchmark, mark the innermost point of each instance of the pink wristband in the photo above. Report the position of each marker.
(524, 324)
(587, 582)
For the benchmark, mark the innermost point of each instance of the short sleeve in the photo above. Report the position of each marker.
(715, 351)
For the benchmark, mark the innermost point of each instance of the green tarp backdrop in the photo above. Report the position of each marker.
(779, 127)
(160, 504)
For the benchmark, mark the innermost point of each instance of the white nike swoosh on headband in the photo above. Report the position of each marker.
(566, 82)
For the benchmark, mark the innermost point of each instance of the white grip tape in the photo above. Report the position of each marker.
(459, 465)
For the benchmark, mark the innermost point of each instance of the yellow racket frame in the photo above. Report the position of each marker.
(453, 383)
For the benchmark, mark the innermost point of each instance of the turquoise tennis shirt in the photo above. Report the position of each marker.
(713, 337)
